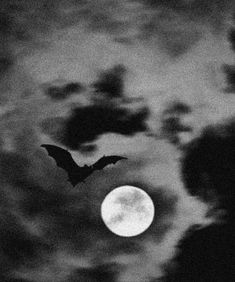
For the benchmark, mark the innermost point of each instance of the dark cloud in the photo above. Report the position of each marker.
(101, 273)
(195, 8)
(231, 37)
(178, 108)
(5, 23)
(209, 162)
(207, 254)
(88, 123)
(99, 21)
(6, 61)
(53, 127)
(18, 247)
(229, 71)
(23, 197)
(22, 21)
(171, 122)
(72, 87)
(175, 40)
(13, 163)
(64, 91)
(176, 23)
(111, 82)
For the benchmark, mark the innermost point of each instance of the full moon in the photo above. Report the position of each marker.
(127, 211)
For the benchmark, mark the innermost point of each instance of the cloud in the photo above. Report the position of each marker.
(88, 123)
(208, 173)
(62, 92)
(229, 71)
(231, 37)
(111, 82)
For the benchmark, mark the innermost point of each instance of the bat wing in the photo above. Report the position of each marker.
(62, 157)
(105, 161)
(64, 160)
(76, 173)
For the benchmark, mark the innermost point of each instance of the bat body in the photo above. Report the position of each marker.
(76, 173)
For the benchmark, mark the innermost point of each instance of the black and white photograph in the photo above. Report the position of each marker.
(117, 140)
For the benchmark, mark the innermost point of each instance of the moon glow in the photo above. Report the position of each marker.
(127, 211)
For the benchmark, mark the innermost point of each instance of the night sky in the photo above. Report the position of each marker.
(152, 81)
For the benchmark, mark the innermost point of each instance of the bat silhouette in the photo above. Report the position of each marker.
(76, 173)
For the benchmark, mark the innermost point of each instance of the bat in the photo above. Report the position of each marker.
(104, 161)
(76, 174)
